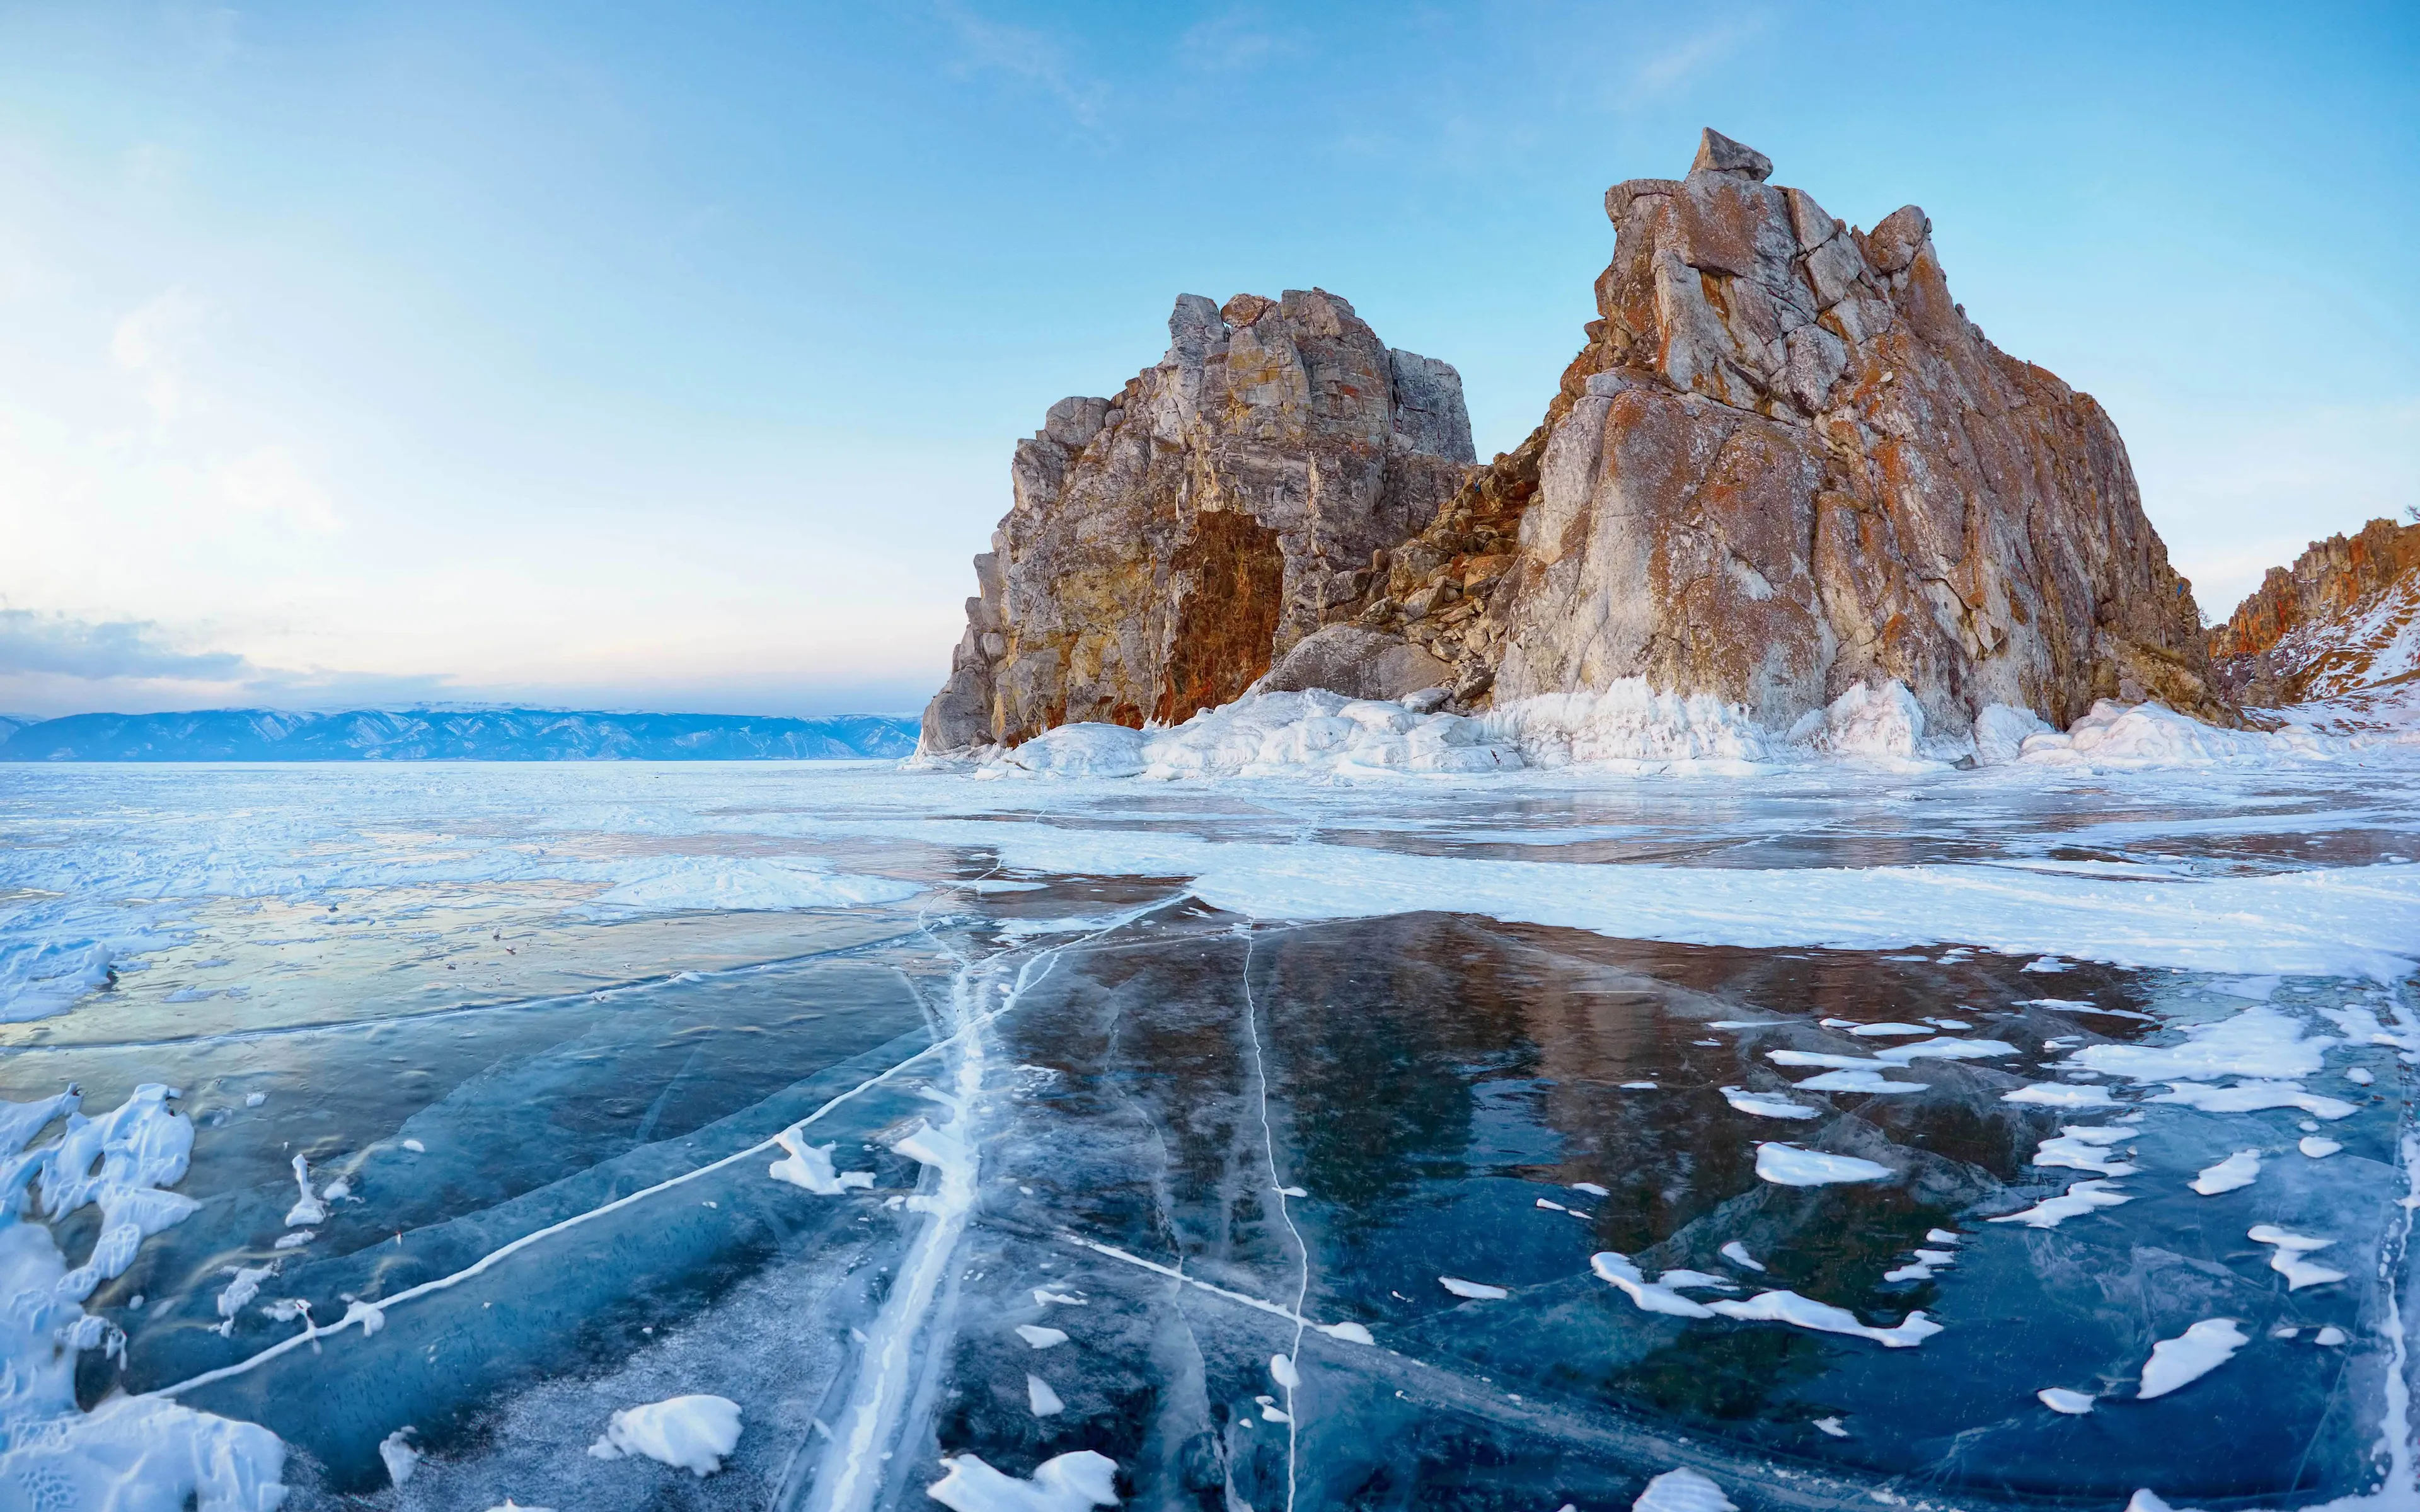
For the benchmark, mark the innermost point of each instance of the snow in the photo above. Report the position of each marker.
(2239, 1170)
(810, 1168)
(2252, 1097)
(1475, 1290)
(397, 1453)
(1265, 734)
(1767, 1107)
(2059, 1095)
(691, 1433)
(1737, 1253)
(1041, 1398)
(1040, 1337)
(2084, 1147)
(1629, 723)
(2286, 1257)
(2317, 1147)
(1801, 1312)
(2116, 736)
(2060, 1399)
(2258, 1041)
(1617, 1270)
(1789, 1165)
(1682, 1490)
(137, 1453)
(1075, 1482)
(2190, 1355)
(1857, 1081)
(2080, 1198)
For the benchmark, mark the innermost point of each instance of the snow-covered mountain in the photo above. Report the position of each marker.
(453, 735)
(2337, 635)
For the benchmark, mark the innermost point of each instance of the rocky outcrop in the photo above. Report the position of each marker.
(1168, 545)
(1786, 463)
(2344, 620)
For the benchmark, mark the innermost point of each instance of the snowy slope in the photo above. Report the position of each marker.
(453, 735)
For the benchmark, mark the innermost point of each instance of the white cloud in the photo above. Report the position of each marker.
(268, 481)
(1030, 54)
(153, 341)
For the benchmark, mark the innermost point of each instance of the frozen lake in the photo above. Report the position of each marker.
(1845, 1135)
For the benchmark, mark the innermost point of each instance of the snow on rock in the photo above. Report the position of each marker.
(1802, 1312)
(810, 1166)
(2190, 1355)
(1789, 1165)
(691, 1433)
(1682, 1490)
(2239, 1170)
(1075, 1482)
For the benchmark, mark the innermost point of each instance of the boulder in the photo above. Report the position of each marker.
(1357, 663)
(1168, 544)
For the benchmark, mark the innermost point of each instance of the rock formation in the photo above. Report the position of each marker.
(1786, 463)
(2343, 621)
(1166, 545)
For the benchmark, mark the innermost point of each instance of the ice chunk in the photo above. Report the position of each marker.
(691, 1433)
(2330, 1336)
(810, 1166)
(1477, 1291)
(2317, 1147)
(1076, 1482)
(2059, 1095)
(2190, 1355)
(1802, 1312)
(1789, 1165)
(1737, 1253)
(1617, 1270)
(2239, 1170)
(2060, 1399)
(1281, 1370)
(2080, 1198)
(2253, 1097)
(1039, 1337)
(2360, 1076)
(1041, 1398)
(2287, 1260)
(1767, 1107)
(1349, 1331)
(397, 1453)
(1682, 1490)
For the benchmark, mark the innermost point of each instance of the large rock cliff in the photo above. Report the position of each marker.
(1166, 545)
(2344, 621)
(1786, 463)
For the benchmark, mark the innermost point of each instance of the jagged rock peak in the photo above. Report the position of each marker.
(1166, 545)
(1717, 153)
(2344, 618)
(1786, 463)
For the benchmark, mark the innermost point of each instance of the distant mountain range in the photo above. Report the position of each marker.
(451, 734)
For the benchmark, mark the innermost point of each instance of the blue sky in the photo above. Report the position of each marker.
(672, 359)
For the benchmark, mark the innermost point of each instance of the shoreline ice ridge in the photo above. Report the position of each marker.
(1629, 727)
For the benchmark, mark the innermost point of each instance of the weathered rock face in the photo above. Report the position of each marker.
(1166, 546)
(1786, 463)
(2345, 618)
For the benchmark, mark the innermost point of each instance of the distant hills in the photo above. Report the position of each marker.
(439, 735)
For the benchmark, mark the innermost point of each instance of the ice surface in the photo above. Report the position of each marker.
(2237, 1170)
(2190, 1355)
(1789, 1165)
(691, 1433)
(1682, 1490)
